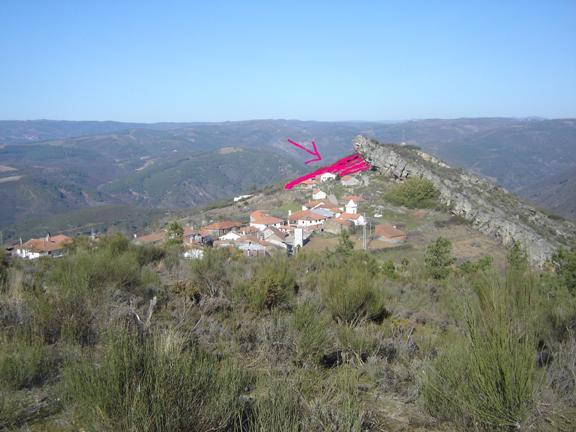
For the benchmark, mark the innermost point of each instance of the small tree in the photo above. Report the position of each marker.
(438, 258)
(517, 258)
(175, 233)
(345, 245)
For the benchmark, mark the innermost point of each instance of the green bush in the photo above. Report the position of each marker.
(438, 258)
(414, 192)
(272, 285)
(278, 409)
(208, 275)
(311, 324)
(565, 265)
(350, 294)
(484, 378)
(26, 364)
(157, 385)
(76, 287)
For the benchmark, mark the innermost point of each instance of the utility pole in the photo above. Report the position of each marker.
(364, 232)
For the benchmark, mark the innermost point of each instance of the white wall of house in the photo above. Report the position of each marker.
(319, 195)
(230, 236)
(194, 254)
(360, 221)
(351, 207)
(327, 176)
(28, 254)
(308, 223)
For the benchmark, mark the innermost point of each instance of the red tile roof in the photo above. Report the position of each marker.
(259, 217)
(389, 231)
(50, 244)
(305, 215)
(247, 230)
(353, 216)
(223, 225)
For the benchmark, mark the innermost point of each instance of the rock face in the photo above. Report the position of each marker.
(488, 207)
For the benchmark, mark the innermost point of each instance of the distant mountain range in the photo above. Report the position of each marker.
(50, 168)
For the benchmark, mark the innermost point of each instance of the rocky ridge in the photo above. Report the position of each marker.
(488, 207)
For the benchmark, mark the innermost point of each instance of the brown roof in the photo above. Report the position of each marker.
(389, 231)
(188, 231)
(50, 244)
(306, 215)
(322, 204)
(222, 225)
(247, 230)
(259, 217)
(350, 216)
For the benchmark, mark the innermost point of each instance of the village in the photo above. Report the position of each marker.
(264, 234)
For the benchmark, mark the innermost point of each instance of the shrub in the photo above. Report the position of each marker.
(485, 376)
(438, 258)
(350, 295)
(273, 284)
(208, 275)
(279, 409)
(26, 364)
(414, 192)
(157, 385)
(474, 267)
(517, 257)
(3, 269)
(174, 233)
(565, 264)
(311, 323)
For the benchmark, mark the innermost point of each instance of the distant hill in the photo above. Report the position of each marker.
(556, 193)
(52, 167)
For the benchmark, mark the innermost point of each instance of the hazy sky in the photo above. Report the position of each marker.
(318, 60)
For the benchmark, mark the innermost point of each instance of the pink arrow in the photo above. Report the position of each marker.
(315, 153)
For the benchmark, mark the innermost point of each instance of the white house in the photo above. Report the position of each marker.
(355, 218)
(307, 219)
(351, 207)
(241, 197)
(274, 236)
(47, 246)
(262, 220)
(348, 180)
(327, 176)
(231, 235)
(317, 194)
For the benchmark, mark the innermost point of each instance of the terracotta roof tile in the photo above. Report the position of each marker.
(387, 230)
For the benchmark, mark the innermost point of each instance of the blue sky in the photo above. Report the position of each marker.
(313, 60)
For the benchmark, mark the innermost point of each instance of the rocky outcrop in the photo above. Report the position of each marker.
(488, 207)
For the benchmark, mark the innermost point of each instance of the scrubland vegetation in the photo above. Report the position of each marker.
(117, 337)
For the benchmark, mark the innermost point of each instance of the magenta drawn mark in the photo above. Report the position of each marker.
(315, 153)
(348, 165)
